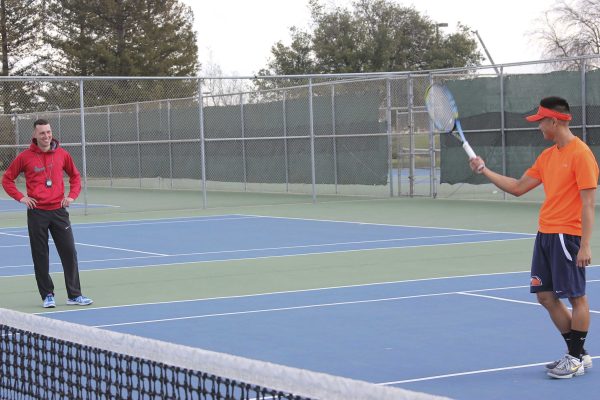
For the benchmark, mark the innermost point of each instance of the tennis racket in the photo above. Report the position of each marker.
(443, 112)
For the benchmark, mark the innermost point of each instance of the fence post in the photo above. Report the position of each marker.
(432, 154)
(202, 142)
(16, 118)
(83, 149)
(312, 140)
(244, 166)
(110, 166)
(502, 126)
(388, 117)
(59, 125)
(583, 101)
(411, 133)
(170, 142)
(285, 144)
(139, 145)
(334, 139)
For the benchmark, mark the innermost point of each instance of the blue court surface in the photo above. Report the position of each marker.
(468, 337)
(477, 337)
(229, 237)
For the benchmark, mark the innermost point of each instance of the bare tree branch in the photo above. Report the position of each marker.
(570, 28)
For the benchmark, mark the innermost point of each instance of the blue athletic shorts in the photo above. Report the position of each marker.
(554, 269)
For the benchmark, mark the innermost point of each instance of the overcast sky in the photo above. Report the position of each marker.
(237, 35)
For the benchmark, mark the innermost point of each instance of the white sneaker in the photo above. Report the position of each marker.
(567, 367)
(49, 302)
(79, 301)
(586, 359)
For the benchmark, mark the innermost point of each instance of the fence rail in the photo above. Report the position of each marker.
(346, 134)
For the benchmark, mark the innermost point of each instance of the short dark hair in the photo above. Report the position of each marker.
(40, 121)
(556, 103)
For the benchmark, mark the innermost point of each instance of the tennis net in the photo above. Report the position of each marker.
(43, 358)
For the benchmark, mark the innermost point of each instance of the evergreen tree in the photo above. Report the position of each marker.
(122, 38)
(19, 37)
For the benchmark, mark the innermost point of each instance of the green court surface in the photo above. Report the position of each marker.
(283, 273)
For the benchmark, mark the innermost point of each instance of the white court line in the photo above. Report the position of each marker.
(310, 306)
(482, 371)
(320, 289)
(84, 244)
(471, 293)
(95, 261)
(13, 235)
(499, 298)
(82, 205)
(121, 249)
(118, 222)
(299, 291)
(251, 258)
(239, 217)
(307, 246)
(225, 217)
(390, 225)
(157, 222)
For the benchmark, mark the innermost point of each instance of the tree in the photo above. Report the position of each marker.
(122, 38)
(294, 59)
(19, 36)
(376, 35)
(221, 92)
(570, 29)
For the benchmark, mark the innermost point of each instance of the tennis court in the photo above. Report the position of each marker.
(422, 294)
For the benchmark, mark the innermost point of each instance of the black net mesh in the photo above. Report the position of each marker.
(42, 358)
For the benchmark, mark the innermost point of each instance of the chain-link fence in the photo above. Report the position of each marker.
(156, 144)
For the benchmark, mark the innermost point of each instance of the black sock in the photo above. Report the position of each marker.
(576, 342)
(567, 337)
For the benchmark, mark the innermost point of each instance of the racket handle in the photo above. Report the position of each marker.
(469, 150)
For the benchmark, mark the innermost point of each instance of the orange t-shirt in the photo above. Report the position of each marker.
(564, 172)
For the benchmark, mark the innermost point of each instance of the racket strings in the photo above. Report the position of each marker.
(440, 108)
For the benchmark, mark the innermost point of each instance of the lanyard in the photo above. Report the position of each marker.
(46, 168)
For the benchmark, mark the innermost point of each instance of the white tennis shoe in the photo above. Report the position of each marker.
(586, 359)
(79, 301)
(567, 367)
(49, 302)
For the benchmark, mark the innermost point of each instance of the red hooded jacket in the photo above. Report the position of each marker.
(38, 167)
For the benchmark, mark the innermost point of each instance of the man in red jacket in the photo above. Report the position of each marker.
(43, 164)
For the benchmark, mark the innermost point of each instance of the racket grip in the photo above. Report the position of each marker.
(469, 150)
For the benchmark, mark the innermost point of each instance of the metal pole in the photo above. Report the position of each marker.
(502, 125)
(312, 140)
(388, 117)
(170, 142)
(139, 145)
(432, 155)
(583, 101)
(110, 167)
(285, 145)
(244, 166)
(83, 152)
(411, 132)
(16, 117)
(59, 126)
(202, 142)
(399, 152)
(489, 56)
(333, 139)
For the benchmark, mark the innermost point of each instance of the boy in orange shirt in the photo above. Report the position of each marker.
(562, 249)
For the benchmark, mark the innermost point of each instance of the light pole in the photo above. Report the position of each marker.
(487, 53)
(437, 30)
